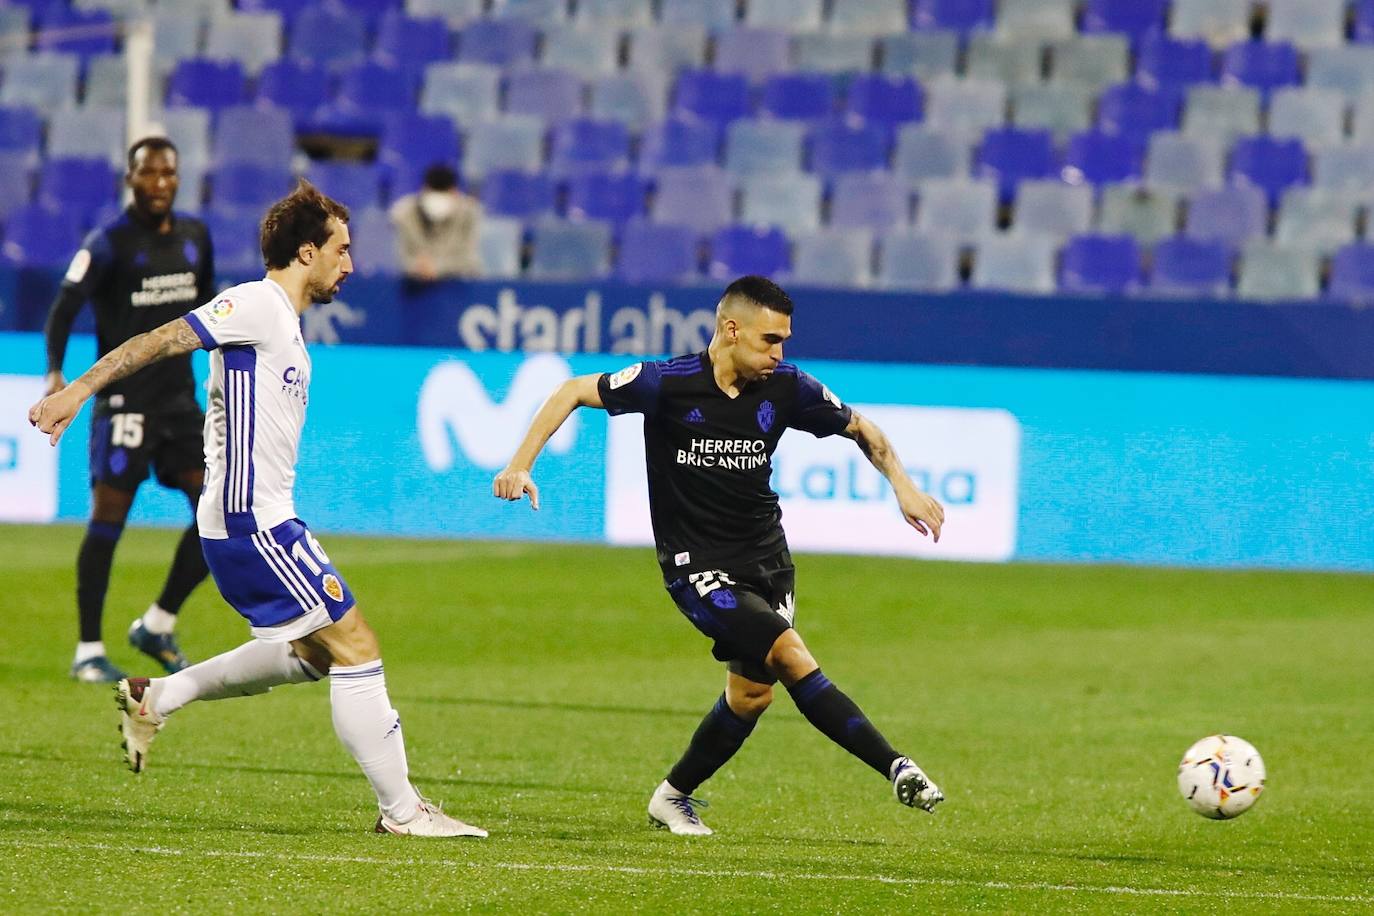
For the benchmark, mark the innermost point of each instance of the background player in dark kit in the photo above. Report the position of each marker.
(711, 423)
(141, 270)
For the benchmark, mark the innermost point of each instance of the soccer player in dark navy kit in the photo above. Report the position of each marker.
(711, 423)
(147, 267)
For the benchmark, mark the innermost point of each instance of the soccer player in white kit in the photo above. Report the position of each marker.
(267, 564)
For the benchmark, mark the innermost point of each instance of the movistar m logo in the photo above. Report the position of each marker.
(454, 406)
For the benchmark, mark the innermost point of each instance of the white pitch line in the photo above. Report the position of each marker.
(715, 873)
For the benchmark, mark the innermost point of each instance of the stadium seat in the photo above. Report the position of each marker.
(963, 209)
(835, 54)
(189, 129)
(1100, 264)
(679, 142)
(35, 236)
(412, 43)
(1100, 158)
(1043, 20)
(1309, 24)
(847, 145)
(535, 12)
(1008, 61)
(1269, 164)
(709, 14)
(667, 48)
(465, 93)
(17, 190)
(287, 9)
(870, 200)
(1187, 266)
(699, 197)
(1172, 62)
(966, 106)
(1090, 60)
(356, 185)
(1271, 271)
(1221, 113)
(569, 251)
(1014, 264)
(1135, 18)
(955, 15)
(367, 93)
(1218, 22)
(753, 53)
(254, 135)
(585, 145)
(410, 144)
(1063, 110)
(657, 253)
(88, 132)
(1362, 119)
(1146, 215)
(925, 55)
(329, 36)
(1348, 69)
(374, 241)
(499, 243)
(293, 85)
(1313, 115)
(886, 100)
(790, 201)
(83, 33)
(1134, 111)
(923, 153)
(799, 96)
(1347, 170)
(370, 12)
(14, 32)
(83, 186)
(1011, 155)
(45, 81)
(614, 198)
(1231, 214)
(835, 258)
(792, 15)
(586, 52)
(551, 95)
(106, 83)
(1316, 220)
(21, 131)
(716, 97)
(176, 36)
(499, 42)
(634, 99)
(868, 17)
(512, 142)
(1177, 162)
(739, 250)
(761, 146)
(1352, 274)
(917, 261)
(1052, 209)
(249, 187)
(204, 83)
(1266, 66)
(454, 12)
(612, 15)
(519, 195)
(252, 39)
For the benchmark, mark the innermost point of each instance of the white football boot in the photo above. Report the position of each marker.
(672, 809)
(430, 821)
(913, 787)
(138, 723)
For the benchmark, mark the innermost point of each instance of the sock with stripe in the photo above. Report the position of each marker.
(716, 740)
(371, 731)
(254, 667)
(188, 570)
(93, 562)
(839, 719)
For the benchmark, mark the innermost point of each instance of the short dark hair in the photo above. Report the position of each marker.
(152, 145)
(761, 291)
(299, 217)
(441, 177)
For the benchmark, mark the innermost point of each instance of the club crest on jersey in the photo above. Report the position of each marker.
(333, 587)
(766, 416)
(625, 376)
(220, 310)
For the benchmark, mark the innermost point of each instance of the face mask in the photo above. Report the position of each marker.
(437, 206)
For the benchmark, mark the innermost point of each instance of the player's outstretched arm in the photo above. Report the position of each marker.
(922, 512)
(55, 412)
(514, 482)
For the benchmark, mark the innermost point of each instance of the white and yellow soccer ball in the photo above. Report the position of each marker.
(1221, 776)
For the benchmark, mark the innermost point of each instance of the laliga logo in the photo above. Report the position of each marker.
(454, 405)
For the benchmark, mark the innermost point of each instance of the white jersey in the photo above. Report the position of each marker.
(258, 389)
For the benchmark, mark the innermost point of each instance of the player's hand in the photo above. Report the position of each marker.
(512, 484)
(922, 512)
(53, 382)
(55, 412)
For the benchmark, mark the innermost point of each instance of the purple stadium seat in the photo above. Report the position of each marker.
(1269, 164)
(205, 83)
(16, 190)
(554, 95)
(372, 11)
(502, 42)
(521, 195)
(298, 86)
(1191, 267)
(367, 92)
(699, 197)
(799, 96)
(412, 143)
(1352, 274)
(752, 53)
(412, 44)
(1136, 111)
(82, 186)
(92, 32)
(288, 10)
(716, 97)
(1011, 154)
(1163, 62)
(254, 134)
(237, 247)
(249, 187)
(885, 99)
(329, 35)
(738, 250)
(587, 145)
(955, 15)
(1137, 18)
(679, 142)
(21, 130)
(1364, 21)
(1101, 158)
(356, 185)
(613, 198)
(1233, 214)
(847, 145)
(657, 253)
(1265, 66)
(36, 236)
(1100, 264)
(870, 200)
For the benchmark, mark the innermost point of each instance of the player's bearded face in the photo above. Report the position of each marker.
(332, 265)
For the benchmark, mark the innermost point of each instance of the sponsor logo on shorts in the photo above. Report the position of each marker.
(625, 376)
(724, 598)
(333, 587)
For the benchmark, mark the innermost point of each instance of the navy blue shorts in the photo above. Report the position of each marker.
(274, 577)
(125, 446)
(744, 609)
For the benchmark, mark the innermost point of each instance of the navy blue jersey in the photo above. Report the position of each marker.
(137, 279)
(710, 456)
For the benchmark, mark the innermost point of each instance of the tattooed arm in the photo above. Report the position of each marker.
(921, 511)
(55, 413)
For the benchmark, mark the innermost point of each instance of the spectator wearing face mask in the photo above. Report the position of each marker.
(436, 228)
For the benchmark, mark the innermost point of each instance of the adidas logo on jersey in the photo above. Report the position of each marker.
(695, 416)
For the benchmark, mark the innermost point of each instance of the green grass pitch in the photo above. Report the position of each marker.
(546, 690)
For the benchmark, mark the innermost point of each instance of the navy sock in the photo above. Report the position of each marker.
(93, 564)
(717, 738)
(839, 719)
(188, 570)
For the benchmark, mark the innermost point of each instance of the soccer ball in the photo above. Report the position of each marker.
(1221, 776)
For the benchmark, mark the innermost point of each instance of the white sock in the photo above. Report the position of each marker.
(254, 667)
(156, 620)
(85, 650)
(371, 731)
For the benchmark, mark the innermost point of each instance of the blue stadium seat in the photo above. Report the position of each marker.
(791, 201)
(1187, 266)
(519, 195)
(45, 81)
(412, 143)
(834, 258)
(370, 11)
(466, 93)
(1100, 158)
(679, 141)
(412, 43)
(883, 99)
(83, 186)
(512, 142)
(1010, 155)
(330, 36)
(586, 145)
(753, 53)
(1266, 66)
(917, 261)
(739, 250)
(799, 96)
(614, 198)
(252, 39)
(204, 83)
(553, 95)
(1352, 274)
(870, 200)
(710, 14)
(754, 146)
(569, 251)
(501, 42)
(1363, 30)
(249, 187)
(955, 15)
(16, 190)
(21, 131)
(356, 185)
(36, 236)
(634, 99)
(296, 86)
(368, 91)
(1107, 264)
(1269, 164)
(657, 253)
(1136, 18)
(256, 135)
(1052, 209)
(847, 145)
(1014, 264)
(716, 97)
(1170, 62)
(700, 197)
(1231, 214)
(1136, 111)
(237, 250)
(76, 32)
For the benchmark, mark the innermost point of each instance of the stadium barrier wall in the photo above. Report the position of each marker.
(1033, 464)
